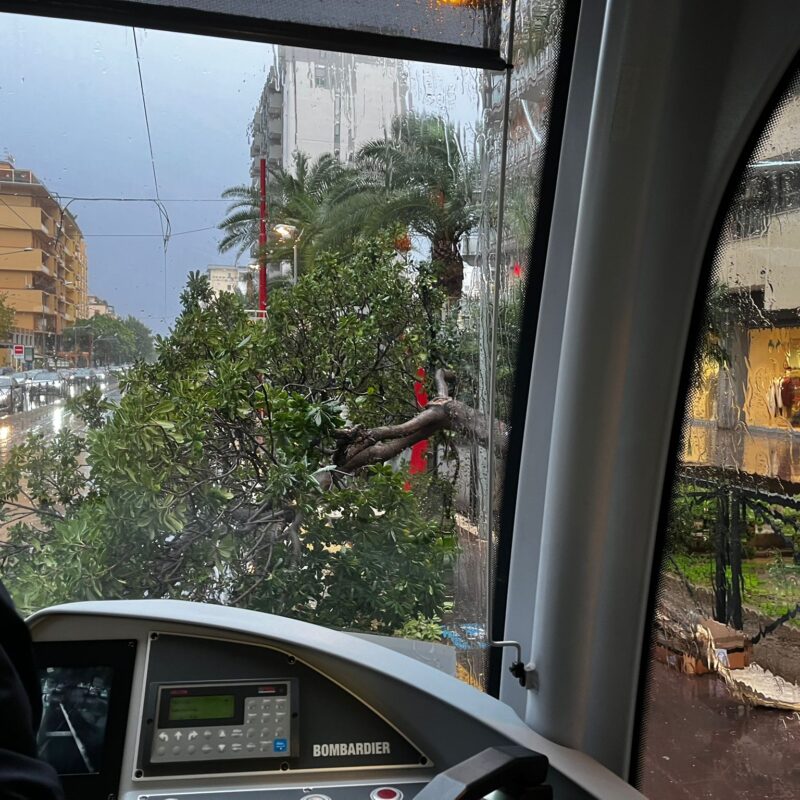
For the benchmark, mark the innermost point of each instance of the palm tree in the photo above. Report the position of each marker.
(312, 199)
(419, 177)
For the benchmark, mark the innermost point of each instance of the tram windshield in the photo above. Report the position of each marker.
(278, 294)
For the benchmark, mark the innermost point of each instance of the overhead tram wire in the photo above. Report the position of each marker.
(163, 218)
(146, 235)
(147, 199)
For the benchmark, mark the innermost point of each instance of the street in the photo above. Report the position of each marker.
(46, 417)
(700, 742)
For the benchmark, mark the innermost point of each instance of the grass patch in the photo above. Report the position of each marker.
(770, 586)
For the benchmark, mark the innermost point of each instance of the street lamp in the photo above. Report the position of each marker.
(74, 328)
(13, 252)
(108, 338)
(289, 233)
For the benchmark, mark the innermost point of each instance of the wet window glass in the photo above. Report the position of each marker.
(723, 710)
(262, 304)
(469, 23)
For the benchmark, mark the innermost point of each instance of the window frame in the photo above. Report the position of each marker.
(731, 193)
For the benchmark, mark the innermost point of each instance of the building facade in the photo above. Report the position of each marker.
(225, 279)
(43, 265)
(97, 307)
(316, 102)
(745, 410)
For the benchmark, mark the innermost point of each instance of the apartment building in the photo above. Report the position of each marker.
(225, 279)
(317, 101)
(97, 307)
(43, 266)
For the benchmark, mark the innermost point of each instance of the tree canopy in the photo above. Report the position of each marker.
(110, 340)
(246, 464)
(7, 315)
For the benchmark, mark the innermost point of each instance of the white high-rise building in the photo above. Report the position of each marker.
(225, 278)
(317, 101)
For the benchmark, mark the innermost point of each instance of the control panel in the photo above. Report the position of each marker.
(222, 720)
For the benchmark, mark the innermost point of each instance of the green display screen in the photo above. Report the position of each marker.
(210, 706)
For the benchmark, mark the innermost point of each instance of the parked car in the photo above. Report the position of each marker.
(25, 376)
(85, 376)
(46, 382)
(11, 393)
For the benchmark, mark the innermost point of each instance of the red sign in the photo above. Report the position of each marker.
(19, 350)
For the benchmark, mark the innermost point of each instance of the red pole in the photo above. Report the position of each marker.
(262, 242)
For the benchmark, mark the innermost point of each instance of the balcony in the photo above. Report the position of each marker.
(28, 218)
(17, 176)
(32, 261)
(31, 300)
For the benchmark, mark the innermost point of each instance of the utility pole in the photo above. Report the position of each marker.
(262, 241)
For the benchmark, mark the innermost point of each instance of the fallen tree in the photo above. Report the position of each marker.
(248, 463)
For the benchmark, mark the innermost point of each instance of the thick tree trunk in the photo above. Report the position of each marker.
(359, 447)
(445, 254)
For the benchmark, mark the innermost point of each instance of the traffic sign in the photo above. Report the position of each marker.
(19, 351)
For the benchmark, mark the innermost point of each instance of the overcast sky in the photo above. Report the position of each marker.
(71, 111)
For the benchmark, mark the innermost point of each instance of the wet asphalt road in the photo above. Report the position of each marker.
(702, 743)
(42, 416)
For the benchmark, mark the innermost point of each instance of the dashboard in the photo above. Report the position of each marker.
(160, 700)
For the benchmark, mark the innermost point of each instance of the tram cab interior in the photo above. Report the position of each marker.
(655, 109)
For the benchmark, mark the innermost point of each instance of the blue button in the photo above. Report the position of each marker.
(280, 745)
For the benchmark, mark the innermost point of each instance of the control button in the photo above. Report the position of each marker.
(252, 716)
(251, 747)
(265, 747)
(161, 750)
(279, 732)
(237, 733)
(315, 797)
(266, 733)
(190, 749)
(178, 736)
(281, 745)
(222, 733)
(236, 747)
(207, 734)
(192, 735)
(280, 715)
(251, 733)
(164, 737)
(221, 748)
(206, 748)
(176, 751)
(281, 703)
(386, 793)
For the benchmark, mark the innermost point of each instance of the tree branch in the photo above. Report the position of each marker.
(359, 447)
